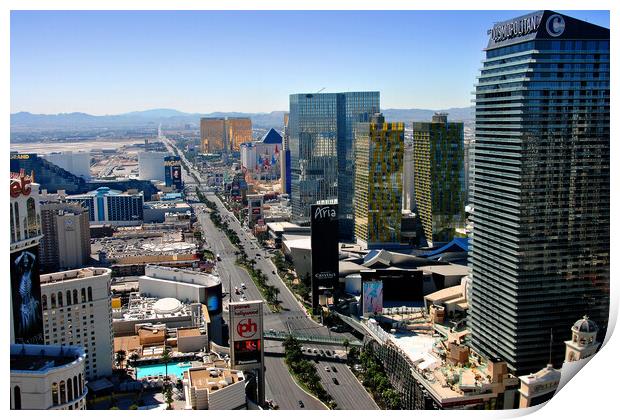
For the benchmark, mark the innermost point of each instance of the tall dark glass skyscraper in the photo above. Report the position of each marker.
(540, 247)
(322, 156)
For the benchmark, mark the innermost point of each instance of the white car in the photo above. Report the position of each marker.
(327, 369)
(243, 285)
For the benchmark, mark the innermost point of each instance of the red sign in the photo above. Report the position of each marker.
(20, 186)
(247, 328)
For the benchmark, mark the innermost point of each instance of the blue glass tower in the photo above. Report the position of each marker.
(322, 153)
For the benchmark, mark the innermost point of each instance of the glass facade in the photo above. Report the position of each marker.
(224, 134)
(539, 254)
(438, 164)
(321, 145)
(378, 188)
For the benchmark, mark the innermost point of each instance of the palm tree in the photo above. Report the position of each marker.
(133, 357)
(120, 357)
(346, 344)
(165, 357)
(169, 398)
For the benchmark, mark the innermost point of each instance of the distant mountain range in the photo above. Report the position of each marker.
(24, 121)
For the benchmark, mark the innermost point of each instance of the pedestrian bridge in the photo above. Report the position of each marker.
(306, 338)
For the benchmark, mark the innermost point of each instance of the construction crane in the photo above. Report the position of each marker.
(321, 90)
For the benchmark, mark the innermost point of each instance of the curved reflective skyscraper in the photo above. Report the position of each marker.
(540, 247)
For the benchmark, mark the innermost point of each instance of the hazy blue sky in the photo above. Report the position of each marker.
(107, 62)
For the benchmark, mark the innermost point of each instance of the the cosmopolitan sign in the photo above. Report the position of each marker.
(515, 28)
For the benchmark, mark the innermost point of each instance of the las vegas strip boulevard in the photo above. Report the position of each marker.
(324, 244)
(246, 331)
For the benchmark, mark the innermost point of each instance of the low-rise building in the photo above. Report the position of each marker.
(187, 286)
(214, 388)
(167, 311)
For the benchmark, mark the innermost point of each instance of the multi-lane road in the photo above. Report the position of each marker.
(349, 394)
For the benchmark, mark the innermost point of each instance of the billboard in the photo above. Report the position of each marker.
(372, 297)
(247, 352)
(172, 175)
(246, 332)
(214, 299)
(398, 285)
(26, 296)
(324, 245)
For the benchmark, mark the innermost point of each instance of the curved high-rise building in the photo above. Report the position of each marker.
(539, 253)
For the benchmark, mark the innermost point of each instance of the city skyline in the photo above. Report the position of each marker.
(367, 258)
(138, 66)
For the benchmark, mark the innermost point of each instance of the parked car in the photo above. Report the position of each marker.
(335, 381)
(327, 369)
(328, 352)
(301, 404)
(334, 369)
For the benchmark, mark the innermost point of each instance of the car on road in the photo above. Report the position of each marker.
(315, 351)
(218, 257)
(273, 272)
(328, 352)
(301, 404)
(321, 352)
(243, 286)
(236, 290)
(335, 381)
(243, 298)
(334, 369)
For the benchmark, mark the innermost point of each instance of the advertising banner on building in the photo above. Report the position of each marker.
(372, 297)
(246, 332)
(324, 245)
(172, 167)
(26, 296)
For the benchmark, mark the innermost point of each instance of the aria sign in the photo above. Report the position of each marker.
(515, 28)
(321, 212)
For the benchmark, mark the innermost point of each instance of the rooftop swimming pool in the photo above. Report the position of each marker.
(174, 368)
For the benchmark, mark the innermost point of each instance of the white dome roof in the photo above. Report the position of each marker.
(167, 306)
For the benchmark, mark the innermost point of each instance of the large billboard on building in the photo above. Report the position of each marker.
(26, 296)
(246, 333)
(399, 286)
(372, 297)
(214, 299)
(172, 174)
(324, 245)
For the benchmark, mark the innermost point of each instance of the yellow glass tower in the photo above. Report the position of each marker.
(379, 148)
(219, 134)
